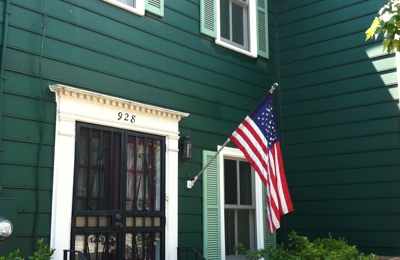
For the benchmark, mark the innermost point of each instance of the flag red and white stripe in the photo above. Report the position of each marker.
(257, 138)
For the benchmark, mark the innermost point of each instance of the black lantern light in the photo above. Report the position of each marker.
(186, 148)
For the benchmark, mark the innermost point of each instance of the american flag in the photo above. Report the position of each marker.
(257, 138)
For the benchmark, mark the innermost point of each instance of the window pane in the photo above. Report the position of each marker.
(230, 182)
(229, 231)
(243, 227)
(128, 2)
(245, 184)
(225, 20)
(237, 24)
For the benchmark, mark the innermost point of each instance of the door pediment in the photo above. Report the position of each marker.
(116, 112)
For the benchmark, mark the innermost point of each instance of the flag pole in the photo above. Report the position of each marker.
(191, 183)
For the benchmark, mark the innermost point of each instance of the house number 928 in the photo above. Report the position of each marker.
(126, 117)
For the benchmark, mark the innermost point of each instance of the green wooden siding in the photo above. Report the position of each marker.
(339, 123)
(337, 104)
(92, 45)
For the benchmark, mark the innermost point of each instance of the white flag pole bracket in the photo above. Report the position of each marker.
(191, 183)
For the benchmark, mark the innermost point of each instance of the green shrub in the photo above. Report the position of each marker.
(11, 256)
(300, 248)
(43, 252)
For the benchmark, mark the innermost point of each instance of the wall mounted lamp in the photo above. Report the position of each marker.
(185, 148)
(6, 228)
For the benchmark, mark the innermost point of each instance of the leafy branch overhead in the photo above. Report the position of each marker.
(387, 24)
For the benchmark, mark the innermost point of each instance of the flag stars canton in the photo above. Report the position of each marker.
(266, 123)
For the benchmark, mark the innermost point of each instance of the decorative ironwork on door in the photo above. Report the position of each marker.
(118, 207)
(143, 174)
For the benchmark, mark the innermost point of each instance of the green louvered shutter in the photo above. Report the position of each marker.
(208, 19)
(268, 239)
(211, 211)
(262, 28)
(155, 6)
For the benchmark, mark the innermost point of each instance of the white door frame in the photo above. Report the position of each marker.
(84, 106)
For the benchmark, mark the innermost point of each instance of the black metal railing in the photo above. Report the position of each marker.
(189, 253)
(80, 254)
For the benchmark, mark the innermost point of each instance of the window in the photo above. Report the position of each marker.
(234, 23)
(239, 206)
(240, 25)
(233, 206)
(139, 6)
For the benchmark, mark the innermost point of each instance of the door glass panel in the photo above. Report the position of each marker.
(79, 244)
(143, 245)
(80, 221)
(130, 174)
(83, 161)
(146, 180)
(157, 177)
(129, 246)
(103, 221)
(97, 246)
(98, 169)
(143, 190)
(92, 221)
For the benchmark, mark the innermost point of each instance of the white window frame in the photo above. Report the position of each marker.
(251, 208)
(252, 31)
(234, 153)
(139, 9)
(79, 105)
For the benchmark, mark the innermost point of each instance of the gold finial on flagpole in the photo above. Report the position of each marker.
(273, 87)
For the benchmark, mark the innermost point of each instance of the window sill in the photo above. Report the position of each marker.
(252, 54)
(139, 10)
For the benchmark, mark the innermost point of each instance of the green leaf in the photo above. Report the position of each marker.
(386, 44)
(374, 26)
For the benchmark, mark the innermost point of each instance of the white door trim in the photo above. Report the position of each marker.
(84, 106)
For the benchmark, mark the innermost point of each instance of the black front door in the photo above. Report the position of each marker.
(118, 203)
